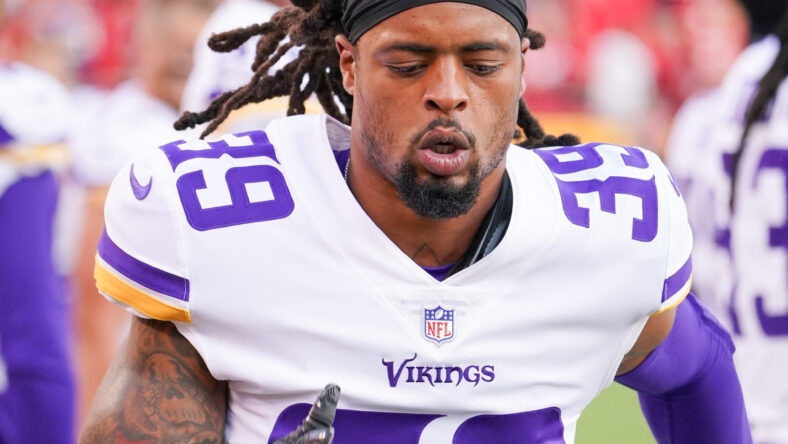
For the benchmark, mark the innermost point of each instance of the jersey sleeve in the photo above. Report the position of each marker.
(140, 262)
(678, 267)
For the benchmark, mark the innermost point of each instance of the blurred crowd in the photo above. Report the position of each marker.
(86, 83)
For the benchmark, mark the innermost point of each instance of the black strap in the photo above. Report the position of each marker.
(492, 230)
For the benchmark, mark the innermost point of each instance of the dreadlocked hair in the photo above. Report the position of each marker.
(311, 25)
(767, 88)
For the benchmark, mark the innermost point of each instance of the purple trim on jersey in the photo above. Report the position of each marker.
(689, 391)
(677, 281)
(439, 273)
(342, 158)
(5, 136)
(142, 273)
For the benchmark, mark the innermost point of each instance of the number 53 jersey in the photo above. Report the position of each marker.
(254, 246)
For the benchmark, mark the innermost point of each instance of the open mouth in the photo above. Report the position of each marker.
(444, 148)
(444, 152)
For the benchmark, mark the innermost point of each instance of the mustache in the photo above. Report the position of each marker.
(444, 122)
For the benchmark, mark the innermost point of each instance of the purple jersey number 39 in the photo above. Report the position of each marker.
(242, 210)
(644, 229)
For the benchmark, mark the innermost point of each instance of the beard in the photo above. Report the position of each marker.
(433, 197)
(437, 198)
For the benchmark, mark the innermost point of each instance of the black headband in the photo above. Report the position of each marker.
(359, 16)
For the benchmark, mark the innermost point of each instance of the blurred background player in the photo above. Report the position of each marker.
(729, 149)
(37, 389)
(214, 73)
(137, 113)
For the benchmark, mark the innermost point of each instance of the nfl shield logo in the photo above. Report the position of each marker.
(439, 324)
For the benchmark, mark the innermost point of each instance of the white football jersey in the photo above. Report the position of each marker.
(255, 247)
(35, 112)
(753, 287)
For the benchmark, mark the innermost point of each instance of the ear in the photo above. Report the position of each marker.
(525, 45)
(347, 62)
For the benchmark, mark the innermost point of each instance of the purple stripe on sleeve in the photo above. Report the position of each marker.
(678, 280)
(142, 273)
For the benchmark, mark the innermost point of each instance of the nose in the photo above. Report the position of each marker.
(446, 89)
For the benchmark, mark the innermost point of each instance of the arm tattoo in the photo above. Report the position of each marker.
(425, 250)
(167, 394)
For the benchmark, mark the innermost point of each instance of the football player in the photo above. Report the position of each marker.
(457, 287)
(730, 148)
(36, 384)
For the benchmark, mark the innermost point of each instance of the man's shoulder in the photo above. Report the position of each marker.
(598, 161)
(170, 198)
(598, 167)
(597, 184)
(185, 172)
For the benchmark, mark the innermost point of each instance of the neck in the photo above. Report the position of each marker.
(429, 242)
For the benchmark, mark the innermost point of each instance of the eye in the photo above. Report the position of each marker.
(405, 69)
(483, 69)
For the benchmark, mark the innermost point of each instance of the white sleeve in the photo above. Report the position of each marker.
(140, 261)
(678, 267)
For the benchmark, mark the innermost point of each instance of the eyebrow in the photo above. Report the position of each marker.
(423, 49)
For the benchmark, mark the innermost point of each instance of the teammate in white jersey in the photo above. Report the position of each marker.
(214, 73)
(735, 171)
(456, 287)
(34, 328)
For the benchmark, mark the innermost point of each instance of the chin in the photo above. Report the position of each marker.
(437, 197)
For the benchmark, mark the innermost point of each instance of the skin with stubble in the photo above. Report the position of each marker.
(435, 94)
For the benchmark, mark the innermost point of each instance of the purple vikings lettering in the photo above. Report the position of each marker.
(420, 374)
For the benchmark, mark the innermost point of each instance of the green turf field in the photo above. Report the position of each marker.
(614, 418)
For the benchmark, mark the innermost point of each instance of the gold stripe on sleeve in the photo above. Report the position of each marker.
(111, 285)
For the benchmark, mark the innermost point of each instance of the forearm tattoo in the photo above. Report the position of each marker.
(167, 395)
